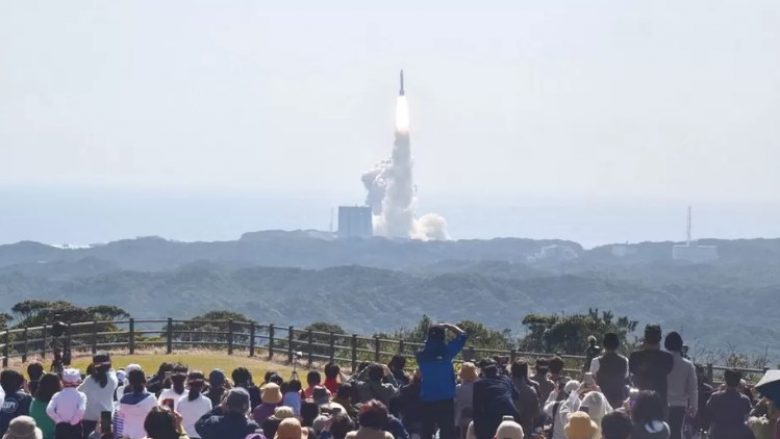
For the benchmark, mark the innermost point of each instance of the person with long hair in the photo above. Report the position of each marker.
(242, 377)
(99, 387)
(133, 407)
(177, 389)
(527, 401)
(217, 387)
(34, 374)
(194, 404)
(48, 385)
(162, 423)
(682, 386)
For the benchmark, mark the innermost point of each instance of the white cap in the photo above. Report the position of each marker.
(133, 366)
(71, 376)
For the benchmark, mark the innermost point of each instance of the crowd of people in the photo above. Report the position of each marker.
(655, 393)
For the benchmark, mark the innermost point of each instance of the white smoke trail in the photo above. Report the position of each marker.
(391, 192)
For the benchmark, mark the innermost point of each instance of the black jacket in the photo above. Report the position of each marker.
(493, 399)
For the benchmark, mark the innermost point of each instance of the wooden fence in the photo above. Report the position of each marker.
(256, 340)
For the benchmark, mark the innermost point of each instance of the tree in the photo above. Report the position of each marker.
(318, 338)
(212, 327)
(108, 312)
(569, 334)
(28, 308)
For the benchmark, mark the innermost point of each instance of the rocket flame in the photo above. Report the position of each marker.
(401, 115)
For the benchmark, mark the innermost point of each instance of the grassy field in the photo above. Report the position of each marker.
(202, 360)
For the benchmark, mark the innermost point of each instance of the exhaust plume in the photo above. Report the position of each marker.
(391, 190)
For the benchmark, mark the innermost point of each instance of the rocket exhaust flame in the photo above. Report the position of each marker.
(391, 190)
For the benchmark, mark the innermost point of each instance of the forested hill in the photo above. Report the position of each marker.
(375, 285)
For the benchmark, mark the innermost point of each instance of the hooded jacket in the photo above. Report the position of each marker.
(131, 414)
(219, 425)
(435, 362)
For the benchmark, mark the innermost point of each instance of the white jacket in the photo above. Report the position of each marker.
(131, 414)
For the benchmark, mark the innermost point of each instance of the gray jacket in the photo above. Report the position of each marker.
(681, 383)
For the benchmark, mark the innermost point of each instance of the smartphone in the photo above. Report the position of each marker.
(105, 422)
(168, 402)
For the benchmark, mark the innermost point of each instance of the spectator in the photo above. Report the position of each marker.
(464, 398)
(67, 407)
(410, 403)
(291, 428)
(611, 371)
(371, 384)
(47, 386)
(162, 423)
(16, 402)
(133, 407)
(194, 404)
(159, 380)
(397, 366)
(593, 351)
(309, 411)
(648, 417)
(562, 402)
(99, 387)
(292, 396)
(580, 426)
(273, 377)
(313, 379)
(340, 426)
(494, 398)
(509, 429)
(437, 390)
(546, 385)
(228, 421)
(176, 391)
(650, 366)
(556, 370)
(728, 409)
(332, 375)
(593, 402)
(23, 427)
(217, 387)
(125, 387)
(344, 398)
(616, 425)
(271, 397)
(682, 386)
(34, 374)
(372, 420)
(527, 400)
(272, 423)
(701, 421)
(243, 378)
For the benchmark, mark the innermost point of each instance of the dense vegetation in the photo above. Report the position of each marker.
(381, 286)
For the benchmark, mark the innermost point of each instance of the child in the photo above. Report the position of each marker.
(292, 396)
(67, 407)
(16, 402)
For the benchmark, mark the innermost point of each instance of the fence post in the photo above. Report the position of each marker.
(131, 344)
(710, 373)
(376, 349)
(512, 356)
(169, 337)
(401, 346)
(230, 337)
(290, 337)
(24, 352)
(271, 330)
(354, 353)
(332, 347)
(67, 348)
(94, 336)
(5, 349)
(310, 348)
(43, 346)
(251, 339)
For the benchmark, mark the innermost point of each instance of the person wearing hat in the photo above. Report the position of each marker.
(194, 404)
(509, 429)
(580, 426)
(464, 397)
(650, 366)
(270, 425)
(99, 387)
(15, 402)
(67, 407)
(229, 419)
(271, 396)
(291, 428)
(23, 427)
(437, 392)
(177, 389)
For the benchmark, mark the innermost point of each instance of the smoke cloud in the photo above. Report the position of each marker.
(391, 191)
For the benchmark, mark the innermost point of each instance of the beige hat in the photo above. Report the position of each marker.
(23, 427)
(509, 429)
(468, 372)
(580, 426)
(272, 394)
(284, 412)
(290, 428)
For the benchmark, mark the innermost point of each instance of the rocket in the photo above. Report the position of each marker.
(401, 92)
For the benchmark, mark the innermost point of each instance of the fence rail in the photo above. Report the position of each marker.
(274, 342)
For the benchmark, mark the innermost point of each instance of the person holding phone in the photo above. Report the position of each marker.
(178, 376)
(99, 387)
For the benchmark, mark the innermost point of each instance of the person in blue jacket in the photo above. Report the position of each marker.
(437, 389)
